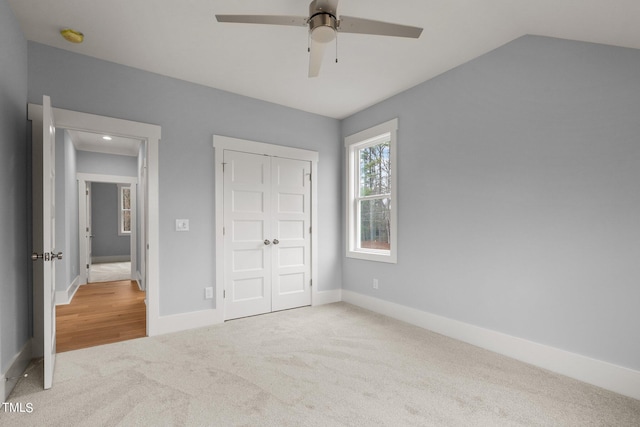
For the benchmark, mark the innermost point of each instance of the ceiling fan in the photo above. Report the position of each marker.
(323, 23)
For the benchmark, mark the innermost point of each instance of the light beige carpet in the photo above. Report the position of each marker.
(110, 272)
(323, 366)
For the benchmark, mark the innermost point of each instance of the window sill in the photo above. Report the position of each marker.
(373, 255)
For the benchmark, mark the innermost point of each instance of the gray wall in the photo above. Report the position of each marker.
(15, 313)
(189, 115)
(106, 164)
(66, 211)
(519, 208)
(71, 209)
(140, 200)
(107, 242)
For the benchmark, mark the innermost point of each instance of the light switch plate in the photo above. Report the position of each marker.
(182, 225)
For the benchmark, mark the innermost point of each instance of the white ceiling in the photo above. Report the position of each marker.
(87, 141)
(182, 39)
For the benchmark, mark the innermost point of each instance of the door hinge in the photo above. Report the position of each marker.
(224, 230)
(87, 229)
(87, 266)
(309, 230)
(223, 164)
(310, 283)
(224, 294)
(87, 192)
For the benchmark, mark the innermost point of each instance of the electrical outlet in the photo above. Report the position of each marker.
(208, 293)
(375, 283)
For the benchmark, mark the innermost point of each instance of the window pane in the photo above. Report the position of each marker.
(126, 221)
(375, 170)
(375, 230)
(126, 198)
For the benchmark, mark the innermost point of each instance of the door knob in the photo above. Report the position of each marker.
(267, 242)
(55, 256)
(276, 241)
(35, 256)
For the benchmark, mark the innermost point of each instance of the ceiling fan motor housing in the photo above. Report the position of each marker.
(322, 27)
(323, 23)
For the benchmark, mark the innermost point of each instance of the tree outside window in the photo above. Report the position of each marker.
(124, 201)
(375, 197)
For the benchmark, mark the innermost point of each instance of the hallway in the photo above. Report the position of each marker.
(101, 313)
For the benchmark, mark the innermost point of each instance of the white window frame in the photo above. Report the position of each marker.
(121, 210)
(353, 144)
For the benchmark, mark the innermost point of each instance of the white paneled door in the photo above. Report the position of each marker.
(48, 240)
(267, 218)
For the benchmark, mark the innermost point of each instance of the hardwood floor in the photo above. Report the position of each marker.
(101, 313)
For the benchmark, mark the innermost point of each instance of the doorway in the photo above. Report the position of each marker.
(148, 133)
(108, 228)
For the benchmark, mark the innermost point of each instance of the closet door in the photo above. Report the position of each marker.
(247, 236)
(267, 236)
(290, 222)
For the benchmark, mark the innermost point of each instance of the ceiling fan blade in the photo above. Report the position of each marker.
(296, 21)
(348, 24)
(315, 57)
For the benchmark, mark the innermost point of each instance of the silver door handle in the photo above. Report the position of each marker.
(267, 242)
(35, 256)
(276, 241)
(55, 256)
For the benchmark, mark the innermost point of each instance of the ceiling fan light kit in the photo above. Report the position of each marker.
(323, 24)
(323, 28)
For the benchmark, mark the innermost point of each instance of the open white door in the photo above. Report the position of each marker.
(44, 237)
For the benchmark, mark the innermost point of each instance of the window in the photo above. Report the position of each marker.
(124, 210)
(371, 193)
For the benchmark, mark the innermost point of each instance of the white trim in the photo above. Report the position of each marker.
(65, 297)
(353, 143)
(186, 321)
(597, 372)
(221, 143)
(227, 143)
(150, 134)
(109, 179)
(17, 366)
(327, 297)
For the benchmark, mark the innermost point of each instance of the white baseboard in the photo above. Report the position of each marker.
(65, 297)
(602, 374)
(138, 278)
(110, 258)
(19, 363)
(327, 297)
(185, 321)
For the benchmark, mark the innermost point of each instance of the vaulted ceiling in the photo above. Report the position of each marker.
(182, 39)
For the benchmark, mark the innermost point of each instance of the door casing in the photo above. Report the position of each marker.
(222, 143)
(84, 212)
(149, 134)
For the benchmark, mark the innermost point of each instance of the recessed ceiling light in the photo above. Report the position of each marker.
(72, 35)
(106, 138)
